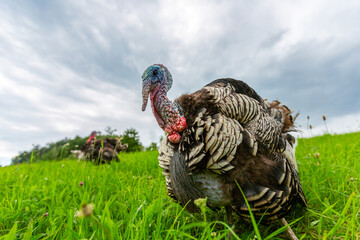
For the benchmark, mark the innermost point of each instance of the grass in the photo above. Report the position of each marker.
(40, 200)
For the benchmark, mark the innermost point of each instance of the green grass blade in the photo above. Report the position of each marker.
(229, 228)
(253, 220)
(32, 157)
(12, 234)
(341, 217)
(280, 230)
(28, 233)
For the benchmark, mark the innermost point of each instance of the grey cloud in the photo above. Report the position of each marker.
(83, 60)
(314, 81)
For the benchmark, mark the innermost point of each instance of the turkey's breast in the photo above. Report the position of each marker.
(214, 188)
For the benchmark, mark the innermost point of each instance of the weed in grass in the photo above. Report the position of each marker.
(324, 119)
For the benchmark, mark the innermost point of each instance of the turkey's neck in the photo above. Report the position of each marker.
(90, 138)
(165, 111)
(167, 114)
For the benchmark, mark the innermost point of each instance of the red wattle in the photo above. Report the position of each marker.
(169, 130)
(174, 138)
(180, 125)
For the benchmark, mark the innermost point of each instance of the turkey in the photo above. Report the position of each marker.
(221, 138)
(102, 150)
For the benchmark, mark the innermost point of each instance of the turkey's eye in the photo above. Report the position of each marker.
(155, 72)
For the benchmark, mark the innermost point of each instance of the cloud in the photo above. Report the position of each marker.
(69, 67)
(342, 124)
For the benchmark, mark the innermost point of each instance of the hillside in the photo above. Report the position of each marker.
(40, 200)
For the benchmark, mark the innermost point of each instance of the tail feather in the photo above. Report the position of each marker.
(282, 114)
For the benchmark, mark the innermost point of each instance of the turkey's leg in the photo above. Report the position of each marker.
(289, 231)
(229, 219)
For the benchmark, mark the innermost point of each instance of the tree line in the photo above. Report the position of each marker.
(61, 149)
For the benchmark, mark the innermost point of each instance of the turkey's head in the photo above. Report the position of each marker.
(91, 137)
(157, 80)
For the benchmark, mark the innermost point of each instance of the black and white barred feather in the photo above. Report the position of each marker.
(234, 137)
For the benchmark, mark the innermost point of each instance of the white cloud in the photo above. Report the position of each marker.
(77, 66)
(7, 151)
(341, 124)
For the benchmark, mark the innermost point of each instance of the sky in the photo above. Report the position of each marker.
(70, 67)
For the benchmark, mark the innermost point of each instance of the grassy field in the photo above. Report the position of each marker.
(43, 200)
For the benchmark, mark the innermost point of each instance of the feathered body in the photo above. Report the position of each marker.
(232, 138)
(103, 150)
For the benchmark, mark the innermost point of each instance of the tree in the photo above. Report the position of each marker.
(132, 138)
(109, 131)
(152, 147)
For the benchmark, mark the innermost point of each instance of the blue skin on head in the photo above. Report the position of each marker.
(155, 74)
(157, 80)
(158, 77)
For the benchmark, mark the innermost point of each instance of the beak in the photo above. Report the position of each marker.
(146, 89)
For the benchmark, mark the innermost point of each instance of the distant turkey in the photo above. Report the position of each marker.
(223, 135)
(102, 150)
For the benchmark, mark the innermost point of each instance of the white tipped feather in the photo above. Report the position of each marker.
(196, 160)
(209, 134)
(210, 143)
(195, 150)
